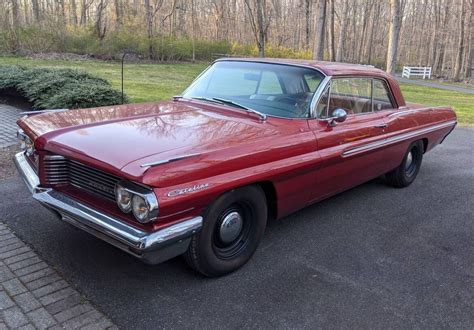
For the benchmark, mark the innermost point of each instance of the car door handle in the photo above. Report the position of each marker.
(381, 126)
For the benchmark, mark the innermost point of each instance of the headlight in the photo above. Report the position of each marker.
(21, 139)
(25, 142)
(138, 199)
(140, 208)
(124, 199)
(30, 147)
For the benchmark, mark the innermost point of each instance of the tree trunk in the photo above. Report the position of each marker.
(318, 52)
(74, 11)
(460, 48)
(83, 13)
(192, 30)
(438, 65)
(36, 10)
(15, 13)
(331, 41)
(149, 28)
(119, 12)
(261, 27)
(307, 12)
(342, 31)
(394, 33)
(101, 20)
(470, 69)
(369, 44)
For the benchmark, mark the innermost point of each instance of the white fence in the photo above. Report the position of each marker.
(424, 71)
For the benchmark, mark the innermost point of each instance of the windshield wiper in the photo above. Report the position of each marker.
(262, 116)
(207, 99)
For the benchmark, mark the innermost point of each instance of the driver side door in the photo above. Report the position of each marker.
(344, 163)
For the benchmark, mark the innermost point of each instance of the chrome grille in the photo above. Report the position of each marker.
(60, 170)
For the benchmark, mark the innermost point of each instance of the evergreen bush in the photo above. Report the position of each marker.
(59, 88)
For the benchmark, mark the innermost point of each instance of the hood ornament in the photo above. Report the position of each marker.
(169, 160)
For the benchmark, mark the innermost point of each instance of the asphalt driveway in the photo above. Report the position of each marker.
(374, 256)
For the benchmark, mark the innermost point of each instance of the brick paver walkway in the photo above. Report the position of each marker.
(8, 127)
(34, 296)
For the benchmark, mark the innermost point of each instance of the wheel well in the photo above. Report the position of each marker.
(425, 144)
(271, 196)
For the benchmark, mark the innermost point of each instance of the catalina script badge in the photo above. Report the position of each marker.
(188, 190)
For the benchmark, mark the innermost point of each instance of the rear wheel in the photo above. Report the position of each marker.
(406, 173)
(232, 229)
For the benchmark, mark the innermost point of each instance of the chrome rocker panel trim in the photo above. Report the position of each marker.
(397, 138)
(150, 247)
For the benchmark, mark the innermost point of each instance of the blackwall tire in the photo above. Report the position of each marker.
(406, 173)
(232, 230)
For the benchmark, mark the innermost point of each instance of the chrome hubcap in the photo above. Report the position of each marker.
(231, 227)
(409, 160)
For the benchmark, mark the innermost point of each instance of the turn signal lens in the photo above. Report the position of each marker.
(140, 209)
(124, 199)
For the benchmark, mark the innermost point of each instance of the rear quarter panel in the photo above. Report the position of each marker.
(417, 122)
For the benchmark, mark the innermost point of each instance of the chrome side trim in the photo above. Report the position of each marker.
(27, 173)
(169, 160)
(395, 139)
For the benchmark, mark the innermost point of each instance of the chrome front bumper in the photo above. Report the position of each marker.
(151, 247)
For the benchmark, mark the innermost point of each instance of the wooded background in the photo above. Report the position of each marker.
(384, 33)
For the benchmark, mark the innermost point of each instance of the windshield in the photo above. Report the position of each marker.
(271, 89)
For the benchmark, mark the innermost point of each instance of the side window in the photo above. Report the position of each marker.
(322, 108)
(382, 99)
(269, 84)
(354, 95)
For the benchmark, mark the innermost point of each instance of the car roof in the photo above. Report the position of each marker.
(333, 69)
(328, 68)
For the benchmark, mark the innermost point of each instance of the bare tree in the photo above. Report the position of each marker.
(342, 31)
(101, 19)
(470, 70)
(73, 12)
(151, 10)
(331, 41)
(307, 14)
(15, 13)
(318, 52)
(394, 34)
(259, 24)
(36, 10)
(460, 47)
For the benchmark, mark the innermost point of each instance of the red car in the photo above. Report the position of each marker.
(249, 140)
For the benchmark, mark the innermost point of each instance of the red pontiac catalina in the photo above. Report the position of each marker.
(249, 140)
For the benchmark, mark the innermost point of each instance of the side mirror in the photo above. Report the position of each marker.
(338, 116)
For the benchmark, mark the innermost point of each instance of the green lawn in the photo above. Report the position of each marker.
(462, 103)
(142, 82)
(152, 82)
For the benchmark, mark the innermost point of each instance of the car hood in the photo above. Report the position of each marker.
(143, 133)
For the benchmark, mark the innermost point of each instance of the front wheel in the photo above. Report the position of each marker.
(406, 173)
(232, 229)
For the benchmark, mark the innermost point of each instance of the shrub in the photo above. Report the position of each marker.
(63, 88)
(58, 38)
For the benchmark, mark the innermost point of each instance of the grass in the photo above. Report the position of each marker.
(154, 82)
(462, 103)
(142, 82)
